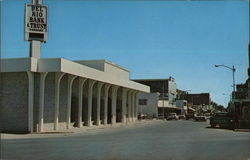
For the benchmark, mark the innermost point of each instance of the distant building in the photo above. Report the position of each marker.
(239, 107)
(148, 104)
(182, 104)
(241, 91)
(201, 102)
(166, 88)
(198, 98)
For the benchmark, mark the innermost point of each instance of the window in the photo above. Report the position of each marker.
(143, 101)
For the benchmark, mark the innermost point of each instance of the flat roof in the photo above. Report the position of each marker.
(103, 61)
(155, 79)
(70, 67)
(151, 79)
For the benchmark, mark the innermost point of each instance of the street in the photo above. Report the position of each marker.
(157, 140)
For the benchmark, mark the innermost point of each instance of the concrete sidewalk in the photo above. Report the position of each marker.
(242, 130)
(83, 130)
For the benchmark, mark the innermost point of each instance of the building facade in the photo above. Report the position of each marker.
(38, 95)
(182, 104)
(239, 107)
(148, 104)
(166, 89)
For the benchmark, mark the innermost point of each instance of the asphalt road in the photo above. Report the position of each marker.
(158, 140)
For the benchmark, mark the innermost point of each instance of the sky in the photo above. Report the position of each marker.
(152, 39)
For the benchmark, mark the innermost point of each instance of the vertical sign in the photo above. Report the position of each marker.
(36, 24)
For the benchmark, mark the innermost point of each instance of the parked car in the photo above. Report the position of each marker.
(207, 115)
(172, 116)
(189, 116)
(160, 116)
(142, 116)
(182, 116)
(199, 117)
(221, 119)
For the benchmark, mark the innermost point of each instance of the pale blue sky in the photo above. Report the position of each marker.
(153, 39)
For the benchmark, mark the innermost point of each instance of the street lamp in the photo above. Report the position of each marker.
(233, 70)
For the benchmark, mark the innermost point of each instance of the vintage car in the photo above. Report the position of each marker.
(189, 116)
(199, 117)
(222, 120)
(172, 116)
(182, 116)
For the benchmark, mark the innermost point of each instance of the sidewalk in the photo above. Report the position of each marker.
(242, 130)
(77, 131)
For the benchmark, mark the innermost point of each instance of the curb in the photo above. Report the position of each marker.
(242, 130)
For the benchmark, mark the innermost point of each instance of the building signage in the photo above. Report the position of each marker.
(36, 24)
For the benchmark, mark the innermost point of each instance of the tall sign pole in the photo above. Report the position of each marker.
(36, 26)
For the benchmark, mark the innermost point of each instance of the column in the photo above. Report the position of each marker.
(58, 77)
(90, 90)
(124, 103)
(132, 106)
(114, 102)
(80, 86)
(41, 101)
(99, 92)
(30, 100)
(106, 95)
(129, 106)
(69, 96)
(136, 106)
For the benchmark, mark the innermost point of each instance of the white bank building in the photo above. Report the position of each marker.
(39, 95)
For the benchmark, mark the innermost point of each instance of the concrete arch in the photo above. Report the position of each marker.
(109, 109)
(49, 102)
(119, 105)
(129, 105)
(136, 106)
(70, 80)
(94, 104)
(74, 115)
(124, 104)
(113, 103)
(97, 89)
(106, 104)
(82, 102)
(87, 102)
(30, 101)
(42, 83)
(60, 104)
